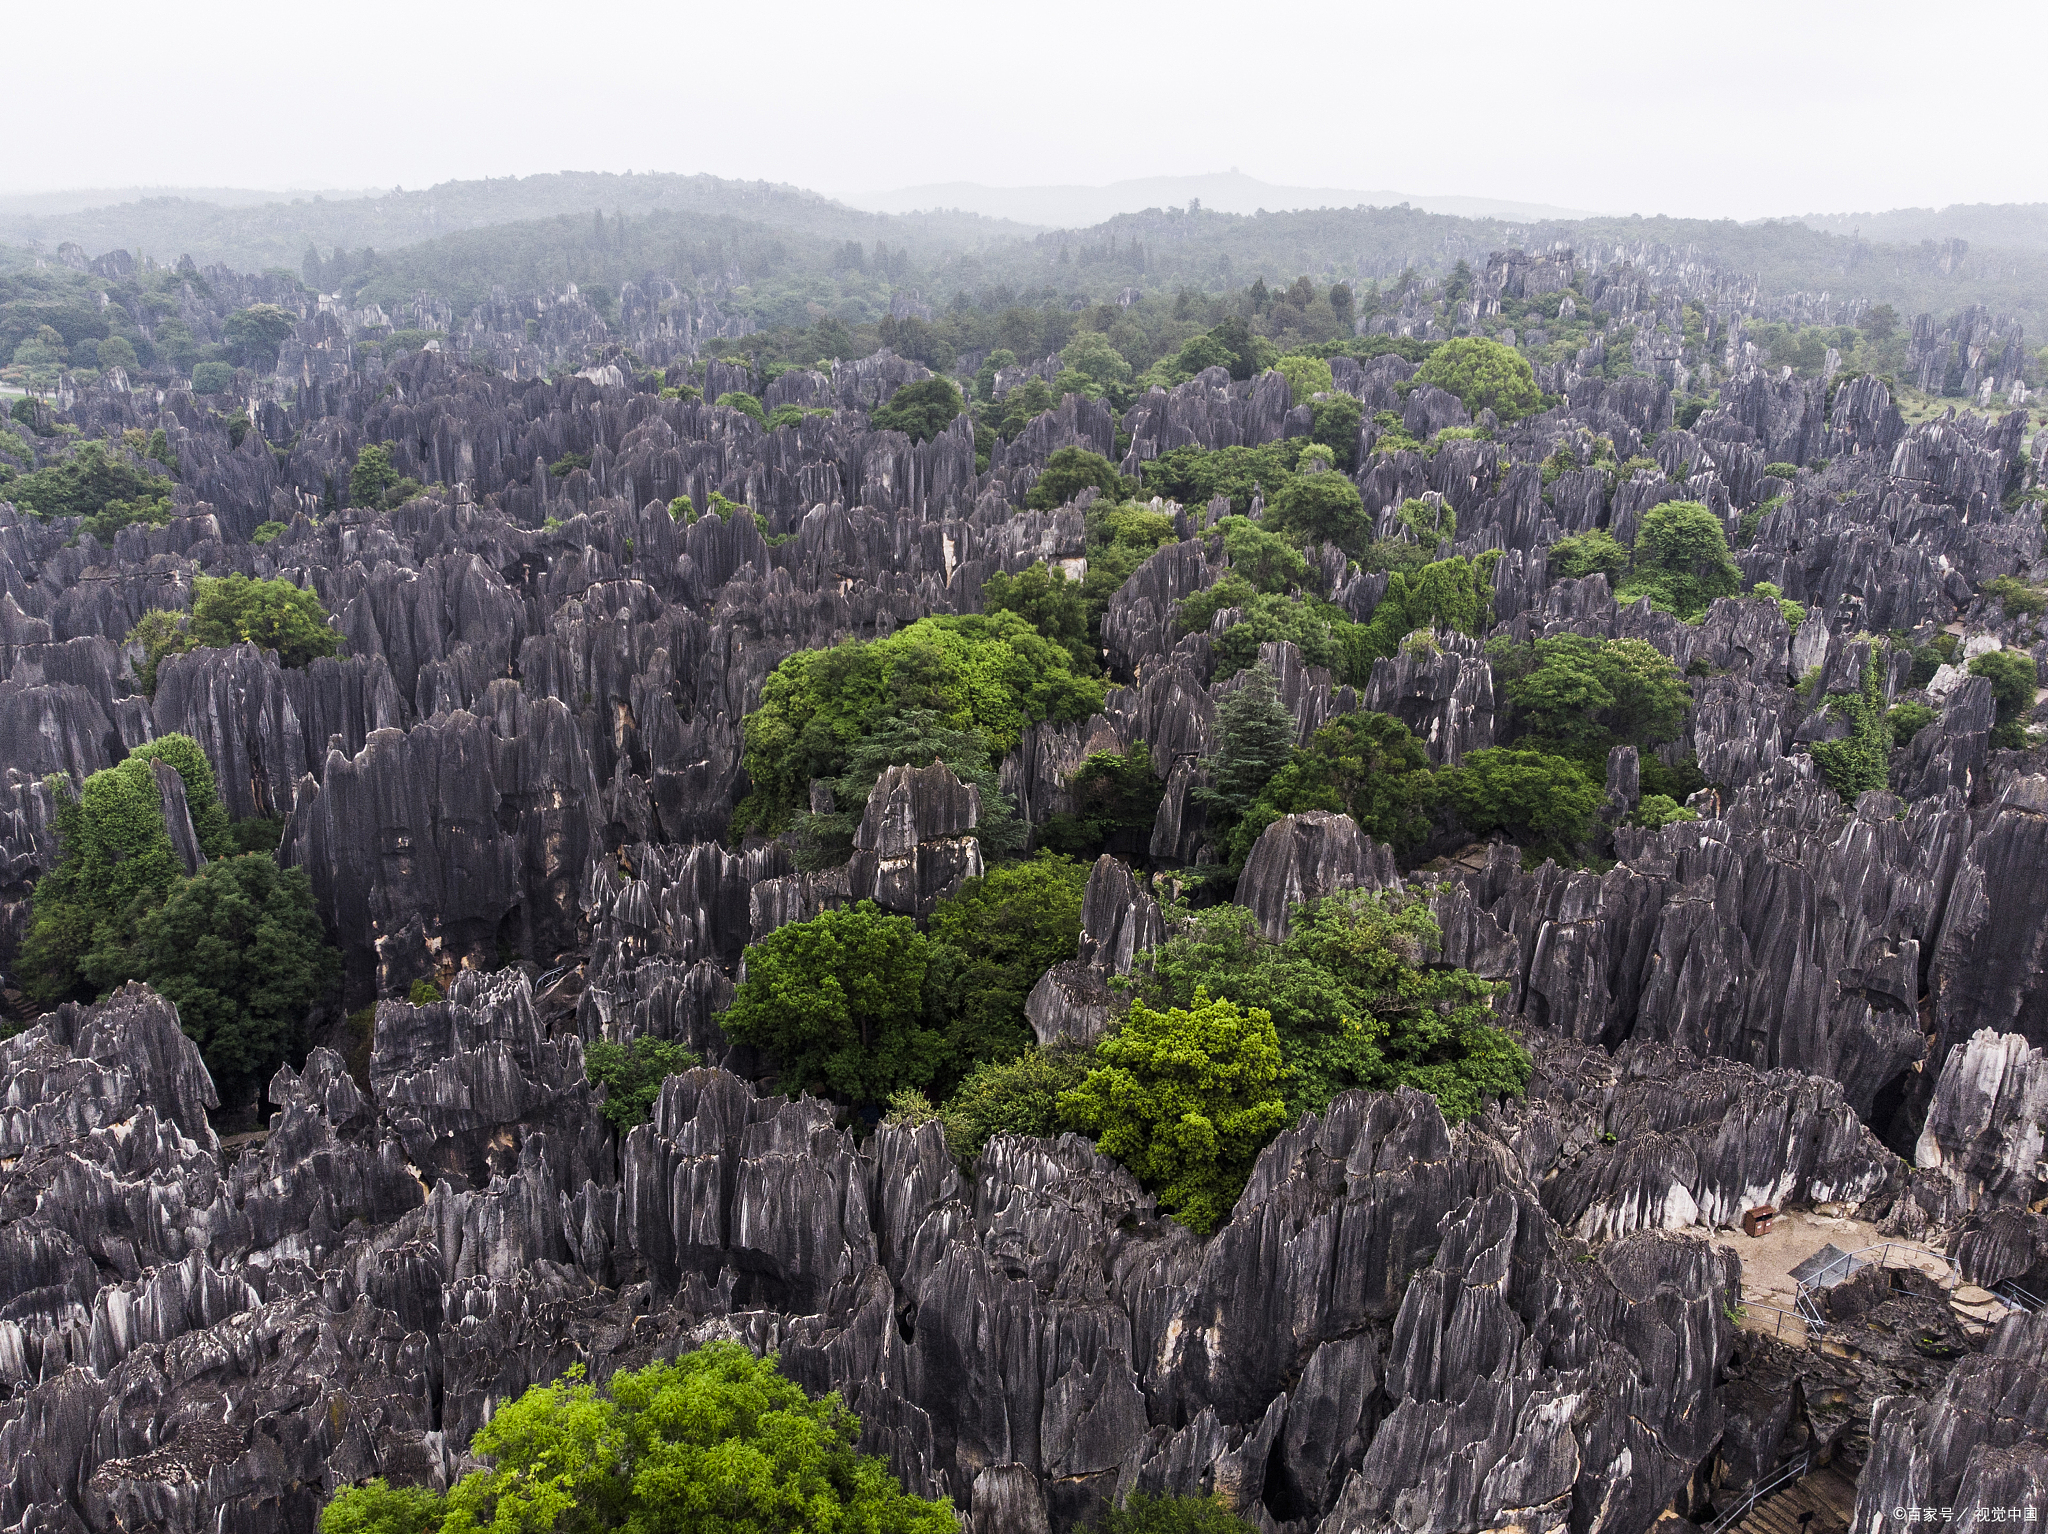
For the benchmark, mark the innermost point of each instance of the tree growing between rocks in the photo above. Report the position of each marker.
(717, 1440)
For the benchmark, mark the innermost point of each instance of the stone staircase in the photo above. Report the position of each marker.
(1824, 1499)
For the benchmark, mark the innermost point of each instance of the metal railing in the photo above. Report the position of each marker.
(2013, 1294)
(1847, 1263)
(1786, 1473)
(1813, 1324)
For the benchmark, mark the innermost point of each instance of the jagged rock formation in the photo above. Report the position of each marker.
(531, 747)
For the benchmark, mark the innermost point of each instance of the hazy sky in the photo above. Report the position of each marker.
(1731, 109)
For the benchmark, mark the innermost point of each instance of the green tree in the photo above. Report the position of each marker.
(1907, 720)
(1005, 929)
(1353, 1000)
(372, 477)
(745, 403)
(212, 377)
(88, 483)
(1051, 603)
(1544, 802)
(1099, 366)
(1115, 798)
(1336, 418)
(1582, 696)
(2014, 681)
(1186, 1098)
(1017, 1096)
(1681, 560)
(1485, 375)
(989, 672)
(1255, 735)
(839, 1001)
(1588, 553)
(1068, 472)
(118, 352)
(717, 1442)
(239, 949)
(1195, 476)
(227, 610)
(1855, 765)
(632, 1074)
(921, 410)
(254, 335)
(1446, 593)
(1306, 377)
(1320, 508)
(1365, 765)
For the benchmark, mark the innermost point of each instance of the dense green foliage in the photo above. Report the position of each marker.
(1195, 476)
(1681, 560)
(1354, 999)
(1185, 1098)
(841, 1005)
(238, 946)
(1115, 798)
(717, 1442)
(921, 410)
(1017, 1096)
(1447, 593)
(1544, 802)
(1255, 734)
(2014, 680)
(1320, 508)
(111, 489)
(233, 609)
(1577, 697)
(632, 1074)
(239, 949)
(993, 673)
(1364, 765)
(253, 335)
(1485, 375)
(1045, 598)
(1907, 720)
(1860, 762)
(1068, 472)
(1144, 1513)
(1588, 553)
(992, 939)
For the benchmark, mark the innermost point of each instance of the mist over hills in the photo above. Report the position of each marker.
(1225, 192)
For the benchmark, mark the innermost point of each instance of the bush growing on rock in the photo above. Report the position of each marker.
(1588, 553)
(1145, 1513)
(993, 673)
(1115, 798)
(1681, 560)
(1861, 762)
(632, 1074)
(1544, 802)
(1185, 1098)
(1578, 697)
(1051, 603)
(716, 1440)
(920, 410)
(238, 947)
(1320, 508)
(1354, 1001)
(1366, 765)
(91, 482)
(2014, 680)
(1004, 929)
(233, 609)
(839, 1002)
(1485, 375)
(1017, 1096)
(1068, 472)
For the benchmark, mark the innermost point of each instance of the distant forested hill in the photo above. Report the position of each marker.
(2007, 225)
(274, 235)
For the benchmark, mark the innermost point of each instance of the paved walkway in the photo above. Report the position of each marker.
(1768, 1261)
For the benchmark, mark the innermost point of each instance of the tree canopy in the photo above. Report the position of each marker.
(1485, 375)
(1576, 696)
(1681, 560)
(1068, 472)
(1545, 802)
(1354, 999)
(992, 672)
(920, 410)
(1185, 1098)
(718, 1441)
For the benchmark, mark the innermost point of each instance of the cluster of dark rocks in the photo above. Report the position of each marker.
(531, 746)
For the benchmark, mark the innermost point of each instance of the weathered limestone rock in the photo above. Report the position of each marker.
(912, 848)
(1301, 858)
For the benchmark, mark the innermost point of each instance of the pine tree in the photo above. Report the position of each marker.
(1254, 739)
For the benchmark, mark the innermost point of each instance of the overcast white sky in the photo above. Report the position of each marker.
(1740, 108)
